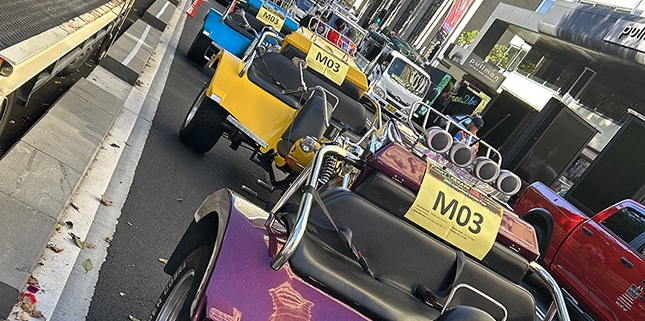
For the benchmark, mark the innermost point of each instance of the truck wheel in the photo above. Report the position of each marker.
(198, 49)
(203, 126)
(176, 298)
(77, 63)
(6, 105)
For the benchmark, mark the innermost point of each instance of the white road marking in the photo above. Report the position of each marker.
(162, 10)
(136, 48)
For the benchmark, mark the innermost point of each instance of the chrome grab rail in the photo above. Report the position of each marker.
(252, 52)
(557, 305)
(417, 104)
(307, 201)
(229, 9)
(478, 292)
(259, 40)
(324, 93)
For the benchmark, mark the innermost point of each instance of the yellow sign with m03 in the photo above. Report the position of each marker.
(445, 208)
(327, 64)
(270, 17)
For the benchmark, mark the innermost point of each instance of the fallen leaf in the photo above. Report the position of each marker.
(89, 245)
(77, 240)
(74, 206)
(134, 319)
(108, 239)
(138, 82)
(115, 145)
(121, 294)
(58, 227)
(37, 314)
(54, 247)
(27, 305)
(105, 202)
(32, 280)
(57, 82)
(87, 265)
(23, 316)
(162, 260)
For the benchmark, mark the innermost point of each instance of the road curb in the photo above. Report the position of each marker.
(40, 174)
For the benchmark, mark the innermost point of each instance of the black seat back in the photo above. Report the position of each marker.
(274, 67)
(405, 257)
(273, 72)
(310, 121)
(396, 199)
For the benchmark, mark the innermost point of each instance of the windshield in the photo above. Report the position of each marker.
(409, 77)
(305, 5)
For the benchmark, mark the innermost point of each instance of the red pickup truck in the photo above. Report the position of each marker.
(598, 260)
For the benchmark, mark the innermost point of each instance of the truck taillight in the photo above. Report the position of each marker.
(5, 68)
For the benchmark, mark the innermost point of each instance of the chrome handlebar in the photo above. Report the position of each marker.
(557, 305)
(307, 201)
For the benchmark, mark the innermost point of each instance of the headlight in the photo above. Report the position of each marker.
(308, 144)
(379, 91)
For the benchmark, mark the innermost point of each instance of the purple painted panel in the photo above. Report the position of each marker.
(399, 163)
(243, 285)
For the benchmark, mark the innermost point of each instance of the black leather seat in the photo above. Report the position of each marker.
(310, 121)
(396, 198)
(235, 22)
(400, 255)
(274, 72)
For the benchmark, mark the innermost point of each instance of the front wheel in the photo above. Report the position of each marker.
(175, 300)
(203, 126)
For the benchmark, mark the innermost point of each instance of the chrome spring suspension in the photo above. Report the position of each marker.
(328, 170)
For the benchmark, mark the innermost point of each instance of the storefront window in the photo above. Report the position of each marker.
(528, 64)
(553, 73)
(594, 94)
(612, 96)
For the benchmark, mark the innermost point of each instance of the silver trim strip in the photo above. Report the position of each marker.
(246, 131)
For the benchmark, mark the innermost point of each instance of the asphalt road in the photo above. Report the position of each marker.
(153, 220)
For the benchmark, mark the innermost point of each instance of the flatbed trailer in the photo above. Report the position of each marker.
(35, 47)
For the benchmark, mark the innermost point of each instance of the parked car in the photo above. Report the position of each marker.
(597, 260)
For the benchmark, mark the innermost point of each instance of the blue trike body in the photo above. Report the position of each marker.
(235, 41)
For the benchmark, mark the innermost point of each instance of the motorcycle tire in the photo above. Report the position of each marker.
(203, 127)
(175, 300)
(198, 48)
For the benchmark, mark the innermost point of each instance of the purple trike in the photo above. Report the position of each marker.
(336, 255)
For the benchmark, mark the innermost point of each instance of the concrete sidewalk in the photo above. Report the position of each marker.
(39, 175)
